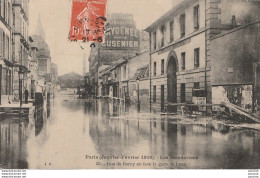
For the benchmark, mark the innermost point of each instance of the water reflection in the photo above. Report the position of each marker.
(215, 145)
(69, 129)
(14, 135)
(13, 143)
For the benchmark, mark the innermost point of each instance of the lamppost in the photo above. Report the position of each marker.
(138, 99)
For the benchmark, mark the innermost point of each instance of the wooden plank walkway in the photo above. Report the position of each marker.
(241, 111)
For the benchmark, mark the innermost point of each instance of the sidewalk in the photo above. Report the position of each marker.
(14, 109)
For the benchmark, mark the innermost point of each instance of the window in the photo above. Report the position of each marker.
(2, 8)
(197, 85)
(154, 40)
(1, 42)
(162, 67)
(4, 44)
(171, 31)
(183, 61)
(4, 14)
(196, 17)
(183, 97)
(124, 72)
(7, 48)
(4, 81)
(163, 35)
(154, 68)
(182, 25)
(162, 97)
(8, 13)
(154, 94)
(196, 58)
(13, 20)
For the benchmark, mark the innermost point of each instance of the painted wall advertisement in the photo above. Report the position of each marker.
(121, 32)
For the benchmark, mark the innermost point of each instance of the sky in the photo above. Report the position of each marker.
(55, 18)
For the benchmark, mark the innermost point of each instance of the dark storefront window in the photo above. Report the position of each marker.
(183, 97)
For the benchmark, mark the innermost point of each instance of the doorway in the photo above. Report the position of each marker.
(172, 68)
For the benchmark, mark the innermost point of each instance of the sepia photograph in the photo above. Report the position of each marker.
(129, 84)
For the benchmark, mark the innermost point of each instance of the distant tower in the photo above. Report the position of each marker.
(39, 28)
(84, 64)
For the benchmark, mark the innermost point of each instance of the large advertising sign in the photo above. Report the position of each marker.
(88, 20)
(121, 32)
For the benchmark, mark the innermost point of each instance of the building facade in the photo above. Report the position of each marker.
(33, 68)
(6, 66)
(180, 48)
(235, 76)
(178, 54)
(21, 47)
(139, 80)
(122, 40)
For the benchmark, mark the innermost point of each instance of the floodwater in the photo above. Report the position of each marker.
(84, 134)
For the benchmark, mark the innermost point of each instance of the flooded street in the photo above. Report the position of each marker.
(82, 134)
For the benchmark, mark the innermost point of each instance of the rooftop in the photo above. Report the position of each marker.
(174, 11)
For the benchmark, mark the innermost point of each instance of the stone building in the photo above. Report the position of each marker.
(139, 79)
(178, 53)
(6, 61)
(109, 78)
(21, 46)
(181, 49)
(235, 55)
(33, 68)
(122, 40)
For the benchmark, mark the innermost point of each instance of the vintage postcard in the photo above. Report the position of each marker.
(129, 84)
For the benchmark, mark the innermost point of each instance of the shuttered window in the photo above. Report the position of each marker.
(196, 17)
(182, 25)
(171, 31)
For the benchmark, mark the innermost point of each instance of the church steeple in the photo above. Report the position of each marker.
(39, 28)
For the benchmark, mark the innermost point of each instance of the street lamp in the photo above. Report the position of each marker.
(138, 99)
